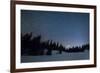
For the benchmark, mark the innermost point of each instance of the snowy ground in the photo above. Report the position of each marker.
(56, 57)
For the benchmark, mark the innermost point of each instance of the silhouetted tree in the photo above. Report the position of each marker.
(31, 45)
(25, 42)
(78, 49)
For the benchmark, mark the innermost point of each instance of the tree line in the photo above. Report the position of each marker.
(34, 46)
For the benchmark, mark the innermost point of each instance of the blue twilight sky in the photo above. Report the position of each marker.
(67, 28)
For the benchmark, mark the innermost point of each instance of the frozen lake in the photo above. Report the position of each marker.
(57, 57)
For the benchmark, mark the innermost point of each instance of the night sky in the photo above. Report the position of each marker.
(67, 28)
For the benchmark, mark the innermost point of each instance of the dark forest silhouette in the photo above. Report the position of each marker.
(34, 46)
